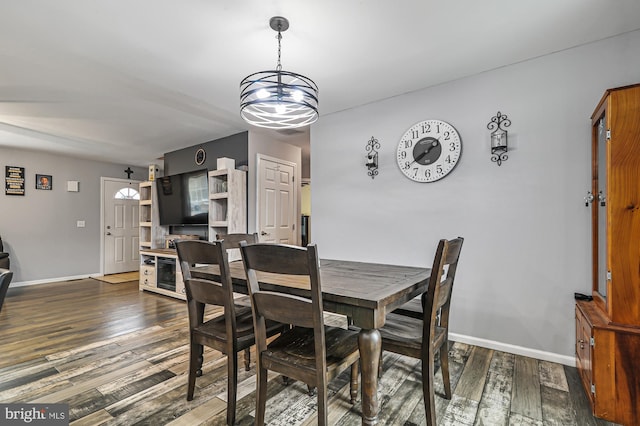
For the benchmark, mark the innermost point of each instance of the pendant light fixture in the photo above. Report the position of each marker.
(278, 99)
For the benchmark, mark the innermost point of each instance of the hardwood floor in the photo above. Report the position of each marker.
(119, 357)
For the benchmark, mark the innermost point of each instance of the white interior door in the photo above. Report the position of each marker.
(120, 201)
(277, 195)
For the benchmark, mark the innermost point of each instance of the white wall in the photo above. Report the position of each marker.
(39, 229)
(526, 228)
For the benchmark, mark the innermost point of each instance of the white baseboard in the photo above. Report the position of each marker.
(513, 349)
(53, 280)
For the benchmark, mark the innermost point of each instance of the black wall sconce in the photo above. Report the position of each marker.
(372, 157)
(499, 145)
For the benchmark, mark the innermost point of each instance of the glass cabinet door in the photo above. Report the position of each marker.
(601, 203)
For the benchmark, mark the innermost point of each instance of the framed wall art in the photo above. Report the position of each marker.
(44, 182)
(14, 180)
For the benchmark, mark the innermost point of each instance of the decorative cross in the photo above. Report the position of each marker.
(129, 172)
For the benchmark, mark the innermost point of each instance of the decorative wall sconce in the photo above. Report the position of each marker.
(372, 157)
(499, 146)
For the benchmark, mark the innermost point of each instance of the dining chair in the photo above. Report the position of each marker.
(310, 351)
(232, 240)
(419, 333)
(231, 243)
(5, 279)
(229, 333)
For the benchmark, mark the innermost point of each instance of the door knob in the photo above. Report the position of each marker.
(264, 233)
(108, 233)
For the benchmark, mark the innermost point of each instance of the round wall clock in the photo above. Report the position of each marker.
(201, 155)
(429, 151)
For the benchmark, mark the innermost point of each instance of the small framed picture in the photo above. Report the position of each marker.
(44, 182)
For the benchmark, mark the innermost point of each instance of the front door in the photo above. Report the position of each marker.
(120, 201)
(277, 201)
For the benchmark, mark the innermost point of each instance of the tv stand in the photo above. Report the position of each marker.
(160, 273)
(159, 267)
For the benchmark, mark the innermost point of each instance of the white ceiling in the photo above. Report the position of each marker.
(127, 81)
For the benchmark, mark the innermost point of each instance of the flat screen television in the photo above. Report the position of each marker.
(183, 199)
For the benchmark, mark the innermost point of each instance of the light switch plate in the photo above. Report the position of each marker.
(73, 186)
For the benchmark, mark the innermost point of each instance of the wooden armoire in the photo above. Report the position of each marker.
(608, 328)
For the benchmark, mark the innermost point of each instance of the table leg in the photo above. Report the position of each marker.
(370, 345)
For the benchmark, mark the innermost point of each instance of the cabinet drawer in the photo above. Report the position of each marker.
(148, 275)
(583, 349)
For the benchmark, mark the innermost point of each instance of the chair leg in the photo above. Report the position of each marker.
(323, 416)
(354, 382)
(261, 394)
(444, 365)
(427, 388)
(232, 387)
(195, 364)
(247, 359)
(380, 365)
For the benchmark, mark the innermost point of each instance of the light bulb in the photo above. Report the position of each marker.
(297, 95)
(281, 109)
(263, 93)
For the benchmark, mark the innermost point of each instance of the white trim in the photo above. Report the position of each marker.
(54, 280)
(513, 349)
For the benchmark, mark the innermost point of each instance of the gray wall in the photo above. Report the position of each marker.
(526, 228)
(39, 229)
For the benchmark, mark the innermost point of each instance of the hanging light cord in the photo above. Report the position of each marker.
(279, 37)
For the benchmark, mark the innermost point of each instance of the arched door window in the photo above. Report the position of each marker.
(127, 194)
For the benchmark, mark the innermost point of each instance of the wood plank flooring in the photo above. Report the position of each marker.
(119, 357)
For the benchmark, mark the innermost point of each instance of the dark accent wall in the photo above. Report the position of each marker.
(235, 147)
(183, 160)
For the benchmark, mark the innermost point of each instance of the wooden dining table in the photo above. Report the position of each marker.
(364, 292)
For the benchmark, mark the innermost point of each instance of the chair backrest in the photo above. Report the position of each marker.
(437, 300)
(204, 291)
(281, 307)
(5, 279)
(231, 241)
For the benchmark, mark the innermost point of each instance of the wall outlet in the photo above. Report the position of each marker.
(80, 224)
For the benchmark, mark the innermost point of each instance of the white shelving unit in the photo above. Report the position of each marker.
(227, 202)
(151, 234)
(159, 267)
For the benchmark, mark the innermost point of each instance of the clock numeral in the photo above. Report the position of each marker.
(452, 146)
(415, 171)
(403, 155)
(408, 144)
(414, 134)
(447, 136)
(407, 165)
(437, 128)
(427, 173)
(439, 169)
(426, 128)
(448, 159)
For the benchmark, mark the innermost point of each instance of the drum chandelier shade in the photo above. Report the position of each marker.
(278, 99)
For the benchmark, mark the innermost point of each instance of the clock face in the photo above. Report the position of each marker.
(429, 151)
